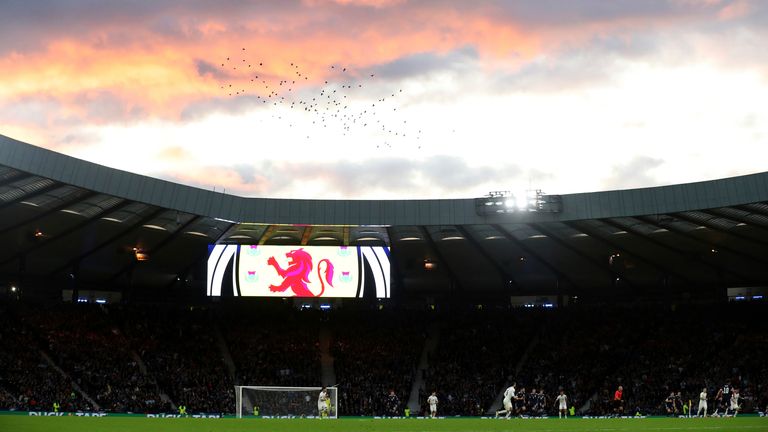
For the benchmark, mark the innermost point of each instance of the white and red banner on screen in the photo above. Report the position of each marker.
(298, 271)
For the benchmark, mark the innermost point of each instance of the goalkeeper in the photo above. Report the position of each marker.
(323, 403)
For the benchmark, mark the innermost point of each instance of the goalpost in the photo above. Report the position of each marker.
(276, 401)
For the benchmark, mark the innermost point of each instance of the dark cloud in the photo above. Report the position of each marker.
(65, 125)
(225, 104)
(458, 60)
(558, 12)
(75, 140)
(247, 173)
(633, 174)
(452, 173)
(104, 106)
(80, 109)
(28, 24)
(598, 62)
(208, 69)
(441, 175)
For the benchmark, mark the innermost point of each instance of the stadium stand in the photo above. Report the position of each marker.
(87, 343)
(375, 353)
(180, 349)
(586, 350)
(27, 381)
(476, 354)
(274, 348)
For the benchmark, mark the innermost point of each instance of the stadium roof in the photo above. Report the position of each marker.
(64, 218)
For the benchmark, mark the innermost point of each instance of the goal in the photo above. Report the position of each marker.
(274, 401)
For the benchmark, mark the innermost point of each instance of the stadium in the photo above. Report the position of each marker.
(310, 216)
(107, 298)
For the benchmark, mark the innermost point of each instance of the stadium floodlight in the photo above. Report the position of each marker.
(13, 289)
(284, 402)
(503, 202)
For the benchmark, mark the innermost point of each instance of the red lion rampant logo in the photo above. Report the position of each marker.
(296, 275)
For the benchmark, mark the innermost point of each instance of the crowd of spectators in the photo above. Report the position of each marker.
(274, 348)
(576, 349)
(651, 351)
(376, 353)
(662, 356)
(180, 348)
(476, 355)
(148, 358)
(86, 342)
(28, 382)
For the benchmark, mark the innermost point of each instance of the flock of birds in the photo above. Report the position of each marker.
(342, 102)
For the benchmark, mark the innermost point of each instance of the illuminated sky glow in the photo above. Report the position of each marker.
(564, 96)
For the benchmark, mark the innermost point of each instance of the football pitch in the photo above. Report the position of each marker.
(132, 424)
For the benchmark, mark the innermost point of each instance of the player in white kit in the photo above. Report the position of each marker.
(562, 404)
(322, 403)
(509, 394)
(432, 401)
(702, 402)
(734, 403)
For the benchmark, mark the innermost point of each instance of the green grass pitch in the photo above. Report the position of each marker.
(134, 424)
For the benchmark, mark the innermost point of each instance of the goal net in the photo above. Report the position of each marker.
(273, 401)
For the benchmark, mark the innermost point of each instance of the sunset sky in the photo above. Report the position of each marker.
(413, 99)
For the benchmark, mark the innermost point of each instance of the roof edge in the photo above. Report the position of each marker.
(163, 193)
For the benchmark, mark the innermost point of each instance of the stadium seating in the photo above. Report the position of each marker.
(179, 347)
(27, 380)
(277, 348)
(87, 343)
(375, 353)
(478, 350)
(150, 358)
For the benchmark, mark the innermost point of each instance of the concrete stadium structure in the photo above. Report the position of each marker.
(68, 221)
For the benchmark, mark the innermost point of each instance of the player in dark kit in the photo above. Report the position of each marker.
(530, 402)
(540, 403)
(669, 404)
(520, 408)
(723, 398)
(393, 402)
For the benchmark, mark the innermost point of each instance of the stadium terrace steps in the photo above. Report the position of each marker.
(518, 367)
(433, 338)
(75, 386)
(327, 371)
(226, 355)
(143, 369)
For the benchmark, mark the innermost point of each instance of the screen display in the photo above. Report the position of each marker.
(298, 271)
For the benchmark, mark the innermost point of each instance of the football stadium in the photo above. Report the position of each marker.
(131, 297)
(383, 215)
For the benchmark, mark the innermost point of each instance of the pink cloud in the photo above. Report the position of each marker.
(130, 66)
(735, 10)
(369, 3)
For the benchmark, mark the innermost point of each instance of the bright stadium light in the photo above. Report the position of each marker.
(521, 200)
(502, 202)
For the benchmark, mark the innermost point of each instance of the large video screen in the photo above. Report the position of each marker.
(298, 271)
